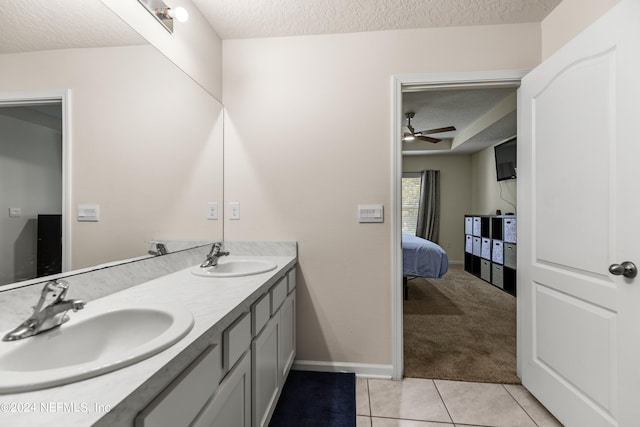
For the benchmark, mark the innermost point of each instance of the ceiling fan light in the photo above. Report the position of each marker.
(408, 138)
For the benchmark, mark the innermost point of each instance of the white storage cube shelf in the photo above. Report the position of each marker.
(491, 249)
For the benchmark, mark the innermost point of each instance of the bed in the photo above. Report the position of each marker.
(422, 258)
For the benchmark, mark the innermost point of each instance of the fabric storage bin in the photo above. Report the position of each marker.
(497, 275)
(468, 225)
(486, 248)
(510, 255)
(477, 226)
(485, 270)
(477, 246)
(468, 244)
(510, 230)
(497, 248)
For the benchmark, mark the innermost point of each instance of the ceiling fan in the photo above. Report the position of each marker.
(409, 134)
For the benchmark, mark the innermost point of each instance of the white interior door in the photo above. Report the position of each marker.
(578, 213)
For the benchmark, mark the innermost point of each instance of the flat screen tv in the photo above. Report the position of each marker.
(506, 160)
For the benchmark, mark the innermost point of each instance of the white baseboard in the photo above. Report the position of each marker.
(360, 369)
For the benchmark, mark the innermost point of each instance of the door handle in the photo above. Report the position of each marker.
(626, 269)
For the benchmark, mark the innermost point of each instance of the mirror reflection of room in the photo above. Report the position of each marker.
(31, 188)
(131, 145)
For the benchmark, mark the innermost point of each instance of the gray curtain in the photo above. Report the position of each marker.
(429, 208)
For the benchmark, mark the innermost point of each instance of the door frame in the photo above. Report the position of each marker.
(426, 81)
(64, 97)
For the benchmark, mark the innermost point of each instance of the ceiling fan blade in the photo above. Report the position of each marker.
(438, 130)
(428, 139)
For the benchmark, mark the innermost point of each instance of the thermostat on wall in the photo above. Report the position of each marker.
(88, 212)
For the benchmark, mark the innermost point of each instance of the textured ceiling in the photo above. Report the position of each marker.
(35, 25)
(459, 108)
(234, 19)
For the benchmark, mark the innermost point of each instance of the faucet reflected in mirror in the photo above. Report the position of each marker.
(49, 312)
(161, 249)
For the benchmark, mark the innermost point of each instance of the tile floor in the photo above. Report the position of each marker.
(415, 402)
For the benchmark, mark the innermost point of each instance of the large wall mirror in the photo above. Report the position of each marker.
(135, 137)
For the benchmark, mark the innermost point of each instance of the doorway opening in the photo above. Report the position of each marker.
(34, 165)
(414, 92)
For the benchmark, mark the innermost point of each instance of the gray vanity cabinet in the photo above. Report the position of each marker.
(273, 351)
(180, 403)
(287, 344)
(238, 379)
(231, 405)
(266, 375)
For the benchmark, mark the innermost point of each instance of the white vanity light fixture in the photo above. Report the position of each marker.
(164, 14)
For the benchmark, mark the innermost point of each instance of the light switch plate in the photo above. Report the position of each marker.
(234, 210)
(89, 212)
(370, 213)
(15, 212)
(212, 210)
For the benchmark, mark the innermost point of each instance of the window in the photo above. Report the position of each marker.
(410, 201)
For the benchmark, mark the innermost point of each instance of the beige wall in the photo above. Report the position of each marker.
(455, 197)
(568, 19)
(148, 152)
(307, 139)
(487, 194)
(193, 46)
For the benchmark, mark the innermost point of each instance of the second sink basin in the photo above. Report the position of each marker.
(235, 268)
(94, 341)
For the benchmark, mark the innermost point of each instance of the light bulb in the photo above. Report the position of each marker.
(180, 14)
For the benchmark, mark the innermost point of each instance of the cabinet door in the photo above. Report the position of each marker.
(181, 402)
(266, 373)
(231, 405)
(287, 335)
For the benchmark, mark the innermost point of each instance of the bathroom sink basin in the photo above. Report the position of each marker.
(99, 339)
(235, 268)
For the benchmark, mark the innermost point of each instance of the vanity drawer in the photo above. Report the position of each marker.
(236, 339)
(181, 401)
(291, 278)
(260, 314)
(278, 294)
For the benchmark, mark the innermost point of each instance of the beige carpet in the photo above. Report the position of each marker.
(459, 328)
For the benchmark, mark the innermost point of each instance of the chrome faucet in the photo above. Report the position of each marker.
(214, 254)
(161, 249)
(48, 313)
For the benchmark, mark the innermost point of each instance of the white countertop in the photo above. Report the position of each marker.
(214, 302)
